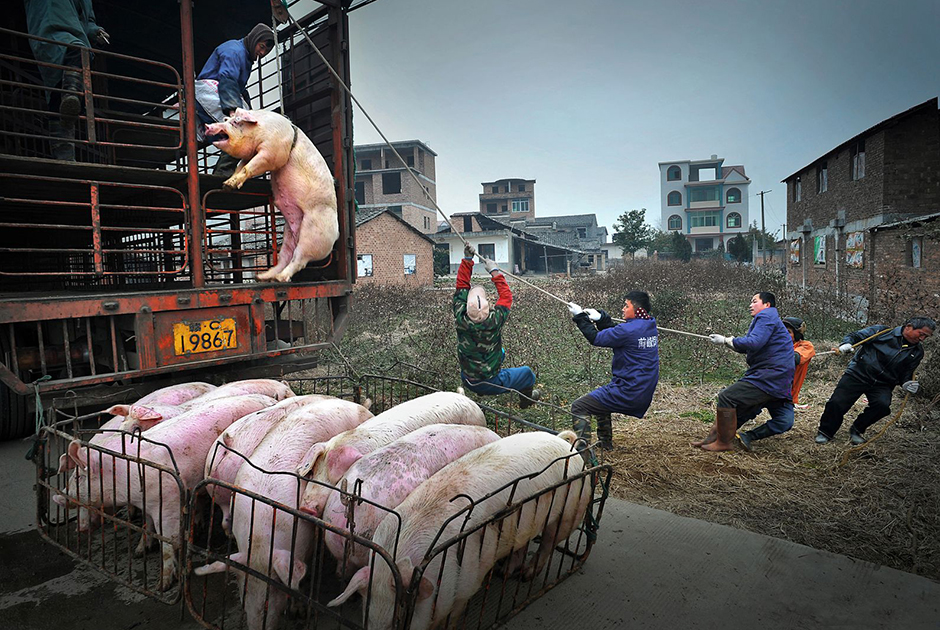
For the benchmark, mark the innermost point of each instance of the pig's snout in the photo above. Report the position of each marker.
(311, 511)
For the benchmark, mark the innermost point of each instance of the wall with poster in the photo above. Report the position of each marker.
(819, 250)
(795, 252)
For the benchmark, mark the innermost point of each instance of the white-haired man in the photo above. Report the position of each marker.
(479, 335)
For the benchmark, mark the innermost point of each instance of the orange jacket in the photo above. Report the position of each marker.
(803, 351)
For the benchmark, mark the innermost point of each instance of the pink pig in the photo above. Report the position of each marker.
(182, 445)
(389, 474)
(243, 436)
(538, 460)
(300, 180)
(269, 539)
(327, 462)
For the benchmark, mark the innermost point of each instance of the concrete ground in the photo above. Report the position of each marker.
(650, 569)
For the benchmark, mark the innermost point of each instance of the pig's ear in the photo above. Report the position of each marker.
(145, 413)
(243, 115)
(282, 565)
(65, 463)
(59, 499)
(406, 569)
(311, 459)
(77, 455)
(338, 461)
(119, 410)
(359, 582)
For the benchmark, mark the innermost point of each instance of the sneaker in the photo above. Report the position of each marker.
(822, 438)
(855, 437)
(801, 407)
(745, 439)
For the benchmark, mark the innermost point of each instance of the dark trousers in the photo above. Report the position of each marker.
(847, 391)
(587, 405)
(744, 398)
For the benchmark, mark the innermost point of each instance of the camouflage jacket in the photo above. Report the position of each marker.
(480, 346)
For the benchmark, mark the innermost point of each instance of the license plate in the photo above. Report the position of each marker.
(209, 335)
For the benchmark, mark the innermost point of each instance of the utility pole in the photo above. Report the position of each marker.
(763, 230)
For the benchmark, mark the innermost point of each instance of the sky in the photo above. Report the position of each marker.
(587, 97)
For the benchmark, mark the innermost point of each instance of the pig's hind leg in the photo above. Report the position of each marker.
(284, 256)
(312, 244)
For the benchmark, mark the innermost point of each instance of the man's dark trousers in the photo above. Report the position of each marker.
(846, 393)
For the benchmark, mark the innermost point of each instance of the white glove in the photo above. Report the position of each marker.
(468, 251)
(103, 37)
(721, 339)
(911, 386)
(593, 314)
(490, 265)
(574, 309)
(846, 348)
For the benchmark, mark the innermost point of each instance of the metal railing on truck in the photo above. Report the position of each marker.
(537, 564)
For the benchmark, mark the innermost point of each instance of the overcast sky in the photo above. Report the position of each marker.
(586, 97)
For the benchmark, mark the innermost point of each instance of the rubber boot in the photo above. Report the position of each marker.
(527, 397)
(727, 420)
(757, 433)
(605, 432)
(65, 130)
(582, 426)
(70, 104)
(225, 166)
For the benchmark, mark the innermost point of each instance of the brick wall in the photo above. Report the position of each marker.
(388, 240)
(912, 158)
(899, 289)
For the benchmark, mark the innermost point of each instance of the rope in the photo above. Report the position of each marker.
(863, 445)
(855, 345)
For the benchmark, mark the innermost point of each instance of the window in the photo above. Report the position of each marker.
(360, 193)
(520, 205)
(734, 220)
(426, 222)
(858, 160)
(674, 198)
(704, 193)
(917, 252)
(704, 244)
(410, 266)
(386, 163)
(506, 188)
(797, 188)
(495, 189)
(491, 208)
(410, 160)
(364, 265)
(520, 188)
(391, 183)
(504, 208)
(468, 224)
(487, 250)
(822, 178)
(582, 232)
(674, 222)
(367, 165)
(673, 173)
(734, 195)
(704, 219)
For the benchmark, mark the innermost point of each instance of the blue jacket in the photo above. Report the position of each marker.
(635, 366)
(230, 65)
(768, 350)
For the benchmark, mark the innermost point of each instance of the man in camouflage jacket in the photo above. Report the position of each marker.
(479, 335)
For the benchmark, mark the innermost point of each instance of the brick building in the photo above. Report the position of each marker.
(389, 250)
(508, 199)
(850, 212)
(383, 181)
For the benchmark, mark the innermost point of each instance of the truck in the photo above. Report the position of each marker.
(131, 268)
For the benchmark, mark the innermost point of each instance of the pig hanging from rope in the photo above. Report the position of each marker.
(300, 180)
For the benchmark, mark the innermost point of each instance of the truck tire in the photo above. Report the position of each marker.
(15, 422)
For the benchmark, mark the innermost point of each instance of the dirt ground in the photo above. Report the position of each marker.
(883, 505)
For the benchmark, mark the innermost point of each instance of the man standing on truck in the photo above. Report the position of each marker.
(479, 336)
(221, 85)
(70, 22)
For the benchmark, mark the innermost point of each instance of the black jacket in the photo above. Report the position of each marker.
(888, 359)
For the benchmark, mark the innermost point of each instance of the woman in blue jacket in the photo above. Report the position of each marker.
(768, 350)
(635, 365)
